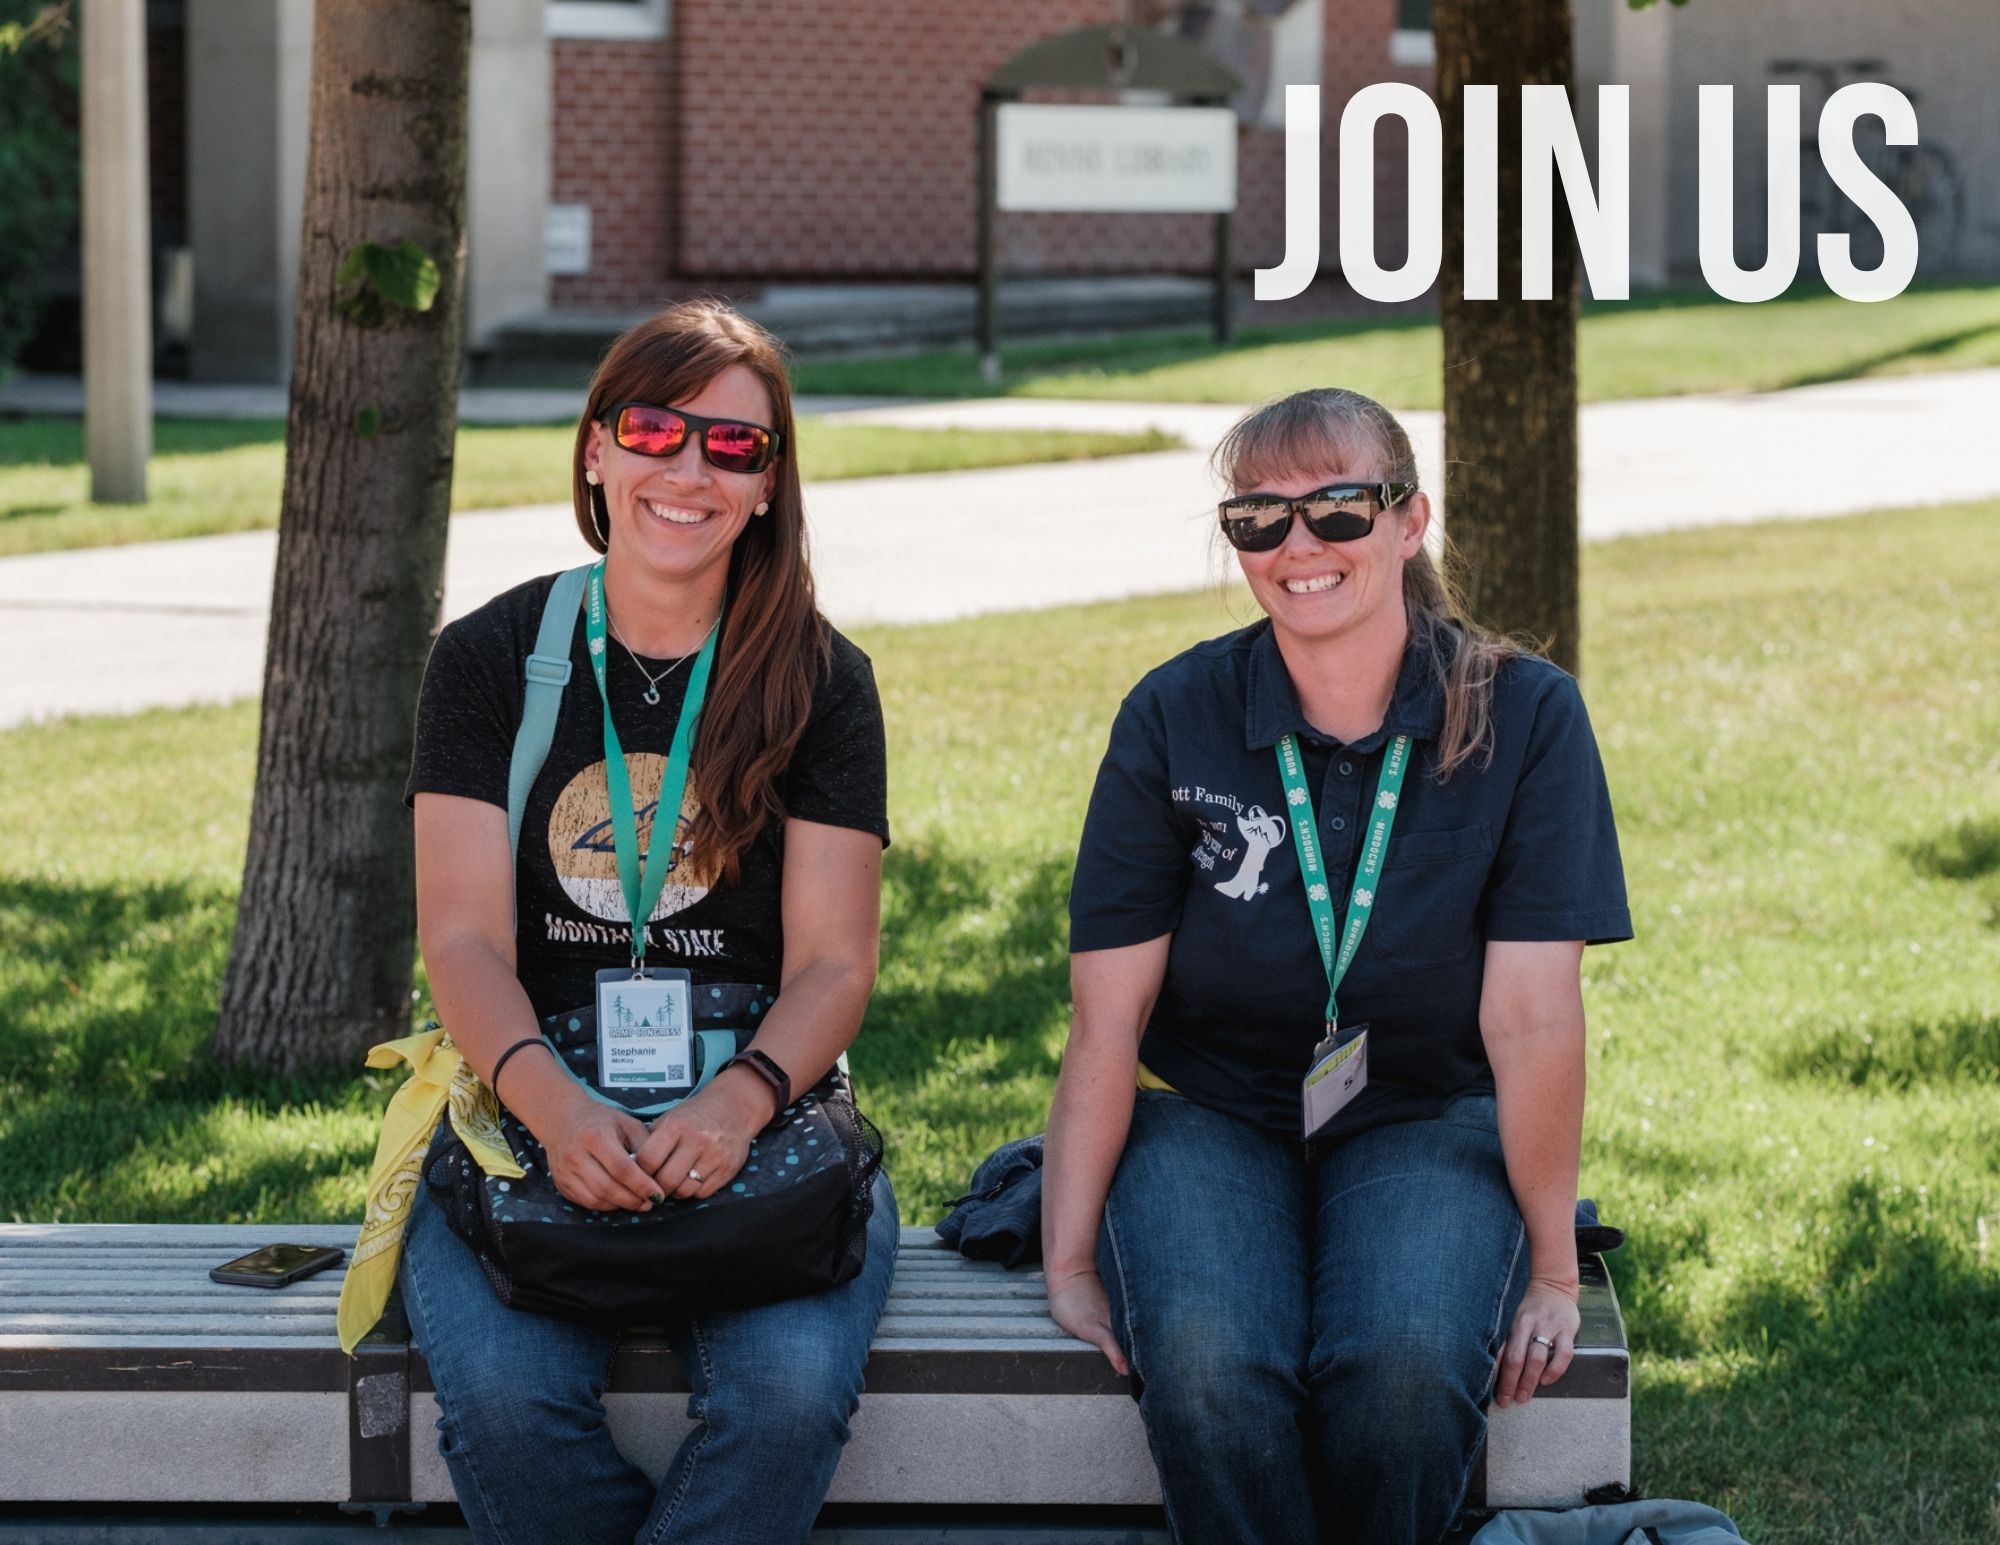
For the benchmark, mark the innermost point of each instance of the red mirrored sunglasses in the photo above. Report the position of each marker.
(727, 444)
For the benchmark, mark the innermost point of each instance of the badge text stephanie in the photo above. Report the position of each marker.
(1551, 150)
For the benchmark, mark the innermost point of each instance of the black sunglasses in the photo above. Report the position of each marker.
(728, 444)
(1340, 512)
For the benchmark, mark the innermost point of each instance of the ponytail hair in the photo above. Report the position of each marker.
(1316, 428)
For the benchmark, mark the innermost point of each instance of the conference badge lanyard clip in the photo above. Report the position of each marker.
(645, 1030)
(1339, 1069)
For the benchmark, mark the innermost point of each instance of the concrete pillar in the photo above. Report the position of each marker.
(249, 88)
(1642, 57)
(117, 252)
(1616, 45)
(507, 171)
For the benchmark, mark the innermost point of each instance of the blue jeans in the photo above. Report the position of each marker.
(1312, 1333)
(523, 1430)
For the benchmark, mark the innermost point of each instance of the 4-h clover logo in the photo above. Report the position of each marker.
(1386, 799)
(1364, 898)
(597, 646)
(1295, 796)
(1316, 892)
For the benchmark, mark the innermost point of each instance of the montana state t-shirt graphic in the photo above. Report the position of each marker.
(585, 855)
(570, 909)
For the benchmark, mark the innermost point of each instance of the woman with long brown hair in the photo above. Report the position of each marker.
(1312, 1164)
(699, 630)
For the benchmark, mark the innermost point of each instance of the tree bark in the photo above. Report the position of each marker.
(321, 962)
(1510, 419)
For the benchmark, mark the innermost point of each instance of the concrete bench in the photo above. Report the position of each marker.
(126, 1375)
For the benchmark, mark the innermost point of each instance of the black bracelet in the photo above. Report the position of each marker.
(766, 1068)
(493, 1083)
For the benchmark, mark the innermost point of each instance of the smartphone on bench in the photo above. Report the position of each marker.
(276, 1266)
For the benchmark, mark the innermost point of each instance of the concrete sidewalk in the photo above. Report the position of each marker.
(178, 622)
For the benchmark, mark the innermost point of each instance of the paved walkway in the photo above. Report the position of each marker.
(179, 622)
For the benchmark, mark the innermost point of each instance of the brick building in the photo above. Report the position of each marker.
(625, 151)
(841, 142)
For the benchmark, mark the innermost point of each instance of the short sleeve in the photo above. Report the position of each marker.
(839, 775)
(466, 719)
(1132, 862)
(1558, 874)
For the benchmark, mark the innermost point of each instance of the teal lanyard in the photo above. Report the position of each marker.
(642, 894)
(1305, 834)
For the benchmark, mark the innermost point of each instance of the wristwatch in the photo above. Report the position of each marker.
(766, 1068)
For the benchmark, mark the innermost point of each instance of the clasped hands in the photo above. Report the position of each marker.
(604, 1159)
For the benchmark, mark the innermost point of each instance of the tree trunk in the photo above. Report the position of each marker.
(321, 962)
(1510, 423)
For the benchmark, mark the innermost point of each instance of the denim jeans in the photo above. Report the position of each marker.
(1312, 1331)
(523, 1430)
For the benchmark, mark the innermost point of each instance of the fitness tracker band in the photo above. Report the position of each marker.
(762, 1064)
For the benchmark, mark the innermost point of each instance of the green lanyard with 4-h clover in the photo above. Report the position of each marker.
(1305, 835)
(1339, 1067)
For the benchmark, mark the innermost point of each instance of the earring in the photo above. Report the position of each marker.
(762, 506)
(590, 476)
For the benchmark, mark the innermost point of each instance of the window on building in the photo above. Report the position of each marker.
(635, 19)
(1411, 42)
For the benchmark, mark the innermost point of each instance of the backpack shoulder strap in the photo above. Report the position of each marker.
(548, 670)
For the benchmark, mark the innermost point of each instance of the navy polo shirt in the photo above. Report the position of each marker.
(1187, 835)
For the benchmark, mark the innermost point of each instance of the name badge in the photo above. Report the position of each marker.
(644, 1029)
(1338, 1073)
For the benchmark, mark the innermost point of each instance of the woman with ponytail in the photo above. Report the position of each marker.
(1312, 1165)
(700, 629)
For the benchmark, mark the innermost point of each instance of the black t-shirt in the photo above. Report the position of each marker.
(1188, 835)
(570, 914)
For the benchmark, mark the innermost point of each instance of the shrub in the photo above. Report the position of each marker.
(39, 166)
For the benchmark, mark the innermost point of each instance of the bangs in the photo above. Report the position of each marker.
(1308, 434)
(674, 356)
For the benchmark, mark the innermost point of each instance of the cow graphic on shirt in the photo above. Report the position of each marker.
(1261, 833)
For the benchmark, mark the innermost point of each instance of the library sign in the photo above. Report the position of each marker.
(1116, 160)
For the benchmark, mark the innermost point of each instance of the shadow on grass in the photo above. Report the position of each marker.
(107, 1001)
(1969, 854)
(1969, 851)
(30, 511)
(981, 952)
(1921, 348)
(1959, 1048)
(1861, 1403)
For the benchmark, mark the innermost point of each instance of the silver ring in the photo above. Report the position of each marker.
(694, 1174)
(1546, 1341)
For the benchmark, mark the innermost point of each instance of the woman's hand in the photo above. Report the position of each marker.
(696, 1148)
(1078, 1303)
(1548, 1309)
(590, 1148)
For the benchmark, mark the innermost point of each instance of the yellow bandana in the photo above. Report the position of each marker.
(439, 1078)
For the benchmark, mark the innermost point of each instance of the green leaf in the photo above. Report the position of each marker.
(405, 274)
(368, 422)
(354, 267)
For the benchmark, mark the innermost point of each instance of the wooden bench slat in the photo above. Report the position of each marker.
(128, 1307)
(156, 1327)
(146, 1347)
(132, 1285)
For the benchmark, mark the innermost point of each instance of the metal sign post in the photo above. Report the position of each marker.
(989, 279)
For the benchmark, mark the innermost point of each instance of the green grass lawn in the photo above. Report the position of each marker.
(217, 475)
(1650, 346)
(1795, 1068)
